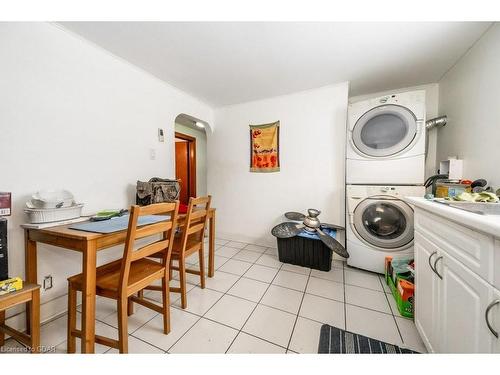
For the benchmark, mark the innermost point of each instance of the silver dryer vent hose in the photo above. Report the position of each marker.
(437, 122)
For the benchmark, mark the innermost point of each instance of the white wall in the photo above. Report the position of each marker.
(312, 152)
(74, 116)
(431, 104)
(201, 156)
(470, 96)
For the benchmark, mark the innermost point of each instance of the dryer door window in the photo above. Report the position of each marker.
(385, 130)
(385, 223)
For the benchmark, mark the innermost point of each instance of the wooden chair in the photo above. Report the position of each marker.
(121, 279)
(29, 293)
(189, 242)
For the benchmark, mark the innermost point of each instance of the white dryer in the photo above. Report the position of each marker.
(379, 223)
(386, 140)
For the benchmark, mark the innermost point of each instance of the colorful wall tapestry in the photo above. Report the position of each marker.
(264, 147)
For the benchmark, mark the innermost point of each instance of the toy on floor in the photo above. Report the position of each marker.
(400, 275)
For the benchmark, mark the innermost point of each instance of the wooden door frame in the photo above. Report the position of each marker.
(191, 162)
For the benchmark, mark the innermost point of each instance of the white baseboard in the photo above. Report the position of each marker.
(261, 241)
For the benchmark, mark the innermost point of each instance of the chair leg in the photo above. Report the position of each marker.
(123, 325)
(2, 334)
(165, 290)
(71, 340)
(35, 321)
(171, 274)
(140, 294)
(182, 281)
(202, 267)
(130, 306)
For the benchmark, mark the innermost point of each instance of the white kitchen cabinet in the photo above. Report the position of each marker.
(494, 318)
(426, 294)
(457, 300)
(463, 299)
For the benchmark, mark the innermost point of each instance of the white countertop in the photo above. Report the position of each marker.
(483, 223)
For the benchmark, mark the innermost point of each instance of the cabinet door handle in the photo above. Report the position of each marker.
(435, 266)
(430, 263)
(486, 316)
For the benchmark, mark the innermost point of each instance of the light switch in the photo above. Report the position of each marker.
(161, 138)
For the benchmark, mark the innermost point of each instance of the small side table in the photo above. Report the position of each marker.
(29, 294)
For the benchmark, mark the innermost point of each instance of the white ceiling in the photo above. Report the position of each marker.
(227, 63)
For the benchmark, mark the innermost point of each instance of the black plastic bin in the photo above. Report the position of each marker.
(305, 252)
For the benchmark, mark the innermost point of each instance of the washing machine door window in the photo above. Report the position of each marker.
(384, 130)
(385, 223)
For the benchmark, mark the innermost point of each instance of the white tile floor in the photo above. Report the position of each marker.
(255, 304)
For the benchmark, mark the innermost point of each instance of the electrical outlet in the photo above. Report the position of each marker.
(152, 154)
(47, 282)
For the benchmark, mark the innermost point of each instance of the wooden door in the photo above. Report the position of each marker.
(185, 165)
(463, 302)
(182, 168)
(426, 293)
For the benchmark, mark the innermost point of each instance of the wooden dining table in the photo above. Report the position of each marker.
(89, 244)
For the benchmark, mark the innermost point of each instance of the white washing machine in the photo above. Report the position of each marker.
(386, 140)
(379, 223)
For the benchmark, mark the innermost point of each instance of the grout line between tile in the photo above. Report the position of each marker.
(392, 312)
(313, 320)
(363, 287)
(368, 308)
(298, 312)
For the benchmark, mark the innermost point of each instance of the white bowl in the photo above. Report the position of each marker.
(52, 198)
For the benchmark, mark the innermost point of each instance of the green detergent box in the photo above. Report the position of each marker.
(400, 281)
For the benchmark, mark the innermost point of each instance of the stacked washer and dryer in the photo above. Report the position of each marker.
(385, 161)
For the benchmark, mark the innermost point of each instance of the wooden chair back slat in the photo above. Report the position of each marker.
(164, 230)
(198, 214)
(149, 250)
(196, 228)
(151, 229)
(156, 209)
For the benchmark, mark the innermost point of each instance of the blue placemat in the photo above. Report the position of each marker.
(116, 224)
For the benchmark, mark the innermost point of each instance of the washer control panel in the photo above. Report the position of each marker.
(357, 193)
